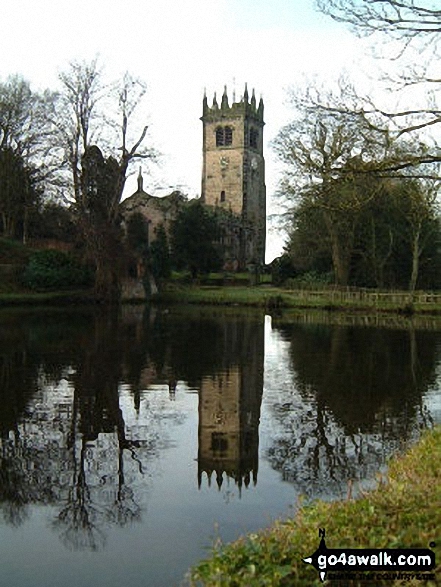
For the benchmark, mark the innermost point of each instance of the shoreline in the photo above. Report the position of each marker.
(265, 297)
(272, 298)
(387, 517)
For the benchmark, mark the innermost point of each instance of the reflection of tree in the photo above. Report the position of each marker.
(188, 347)
(19, 368)
(125, 510)
(13, 495)
(80, 520)
(21, 485)
(49, 444)
(358, 395)
(76, 428)
(13, 395)
(97, 412)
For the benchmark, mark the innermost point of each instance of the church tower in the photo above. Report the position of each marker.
(233, 170)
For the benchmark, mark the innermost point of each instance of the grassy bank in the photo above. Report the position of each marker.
(404, 511)
(277, 298)
(268, 297)
(45, 298)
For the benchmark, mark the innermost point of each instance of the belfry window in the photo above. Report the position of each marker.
(224, 136)
(228, 135)
(253, 138)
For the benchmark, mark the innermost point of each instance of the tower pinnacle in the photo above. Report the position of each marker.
(140, 180)
(245, 94)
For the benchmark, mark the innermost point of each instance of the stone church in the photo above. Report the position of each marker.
(233, 181)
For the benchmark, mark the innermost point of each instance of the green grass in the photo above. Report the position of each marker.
(38, 298)
(220, 278)
(402, 512)
(277, 298)
(222, 295)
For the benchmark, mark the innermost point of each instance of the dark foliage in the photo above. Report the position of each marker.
(18, 193)
(194, 235)
(53, 221)
(52, 269)
(160, 255)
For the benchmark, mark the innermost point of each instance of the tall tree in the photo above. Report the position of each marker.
(193, 240)
(24, 124)
(160, 255)
(25, 161)
(98, 175)
(415, 202)
(323, 152)
(414, 26)
(18, 193)
(404, 19)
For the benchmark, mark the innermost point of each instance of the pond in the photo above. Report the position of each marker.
(130, 441)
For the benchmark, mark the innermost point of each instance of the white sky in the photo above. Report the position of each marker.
(180, 47)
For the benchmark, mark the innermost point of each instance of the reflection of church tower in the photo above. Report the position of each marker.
(233, 169)
(229, 410)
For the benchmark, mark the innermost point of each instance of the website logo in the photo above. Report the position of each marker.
(382, 563)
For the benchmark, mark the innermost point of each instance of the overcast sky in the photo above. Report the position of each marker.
(180, 47)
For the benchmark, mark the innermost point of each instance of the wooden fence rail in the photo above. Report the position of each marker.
(368, 297)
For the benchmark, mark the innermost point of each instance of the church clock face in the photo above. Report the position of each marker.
(224, 162)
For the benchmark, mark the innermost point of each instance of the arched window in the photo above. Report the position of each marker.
(224, 136)
(222, 196)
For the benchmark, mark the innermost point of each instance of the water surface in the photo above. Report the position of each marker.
(130, 441)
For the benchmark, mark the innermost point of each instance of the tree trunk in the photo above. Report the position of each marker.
(415, 262)
(341, 254)
(25, 225)
(8, 226)
(107, 281)
(103, 246)
(341, 264)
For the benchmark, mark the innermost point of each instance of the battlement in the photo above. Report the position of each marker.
(246, 107)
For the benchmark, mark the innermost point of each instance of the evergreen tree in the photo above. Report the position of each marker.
(193, 240)
(160, 255)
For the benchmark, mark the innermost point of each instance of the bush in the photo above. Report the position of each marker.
(282, 268)
(309, 280)
(51, 269)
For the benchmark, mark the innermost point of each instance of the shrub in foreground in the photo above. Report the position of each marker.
(52, 269)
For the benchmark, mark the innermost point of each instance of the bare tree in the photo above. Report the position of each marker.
(327, 155)
(91, 113)
(75, 114)
(23, 118)
(25, 162)
(414, 26)
(403, 19)
(416, 203)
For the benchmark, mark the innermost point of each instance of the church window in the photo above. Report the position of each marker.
(228, 135)
(222, 196)
(224, 136)
(220, 137)
(253, 138)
